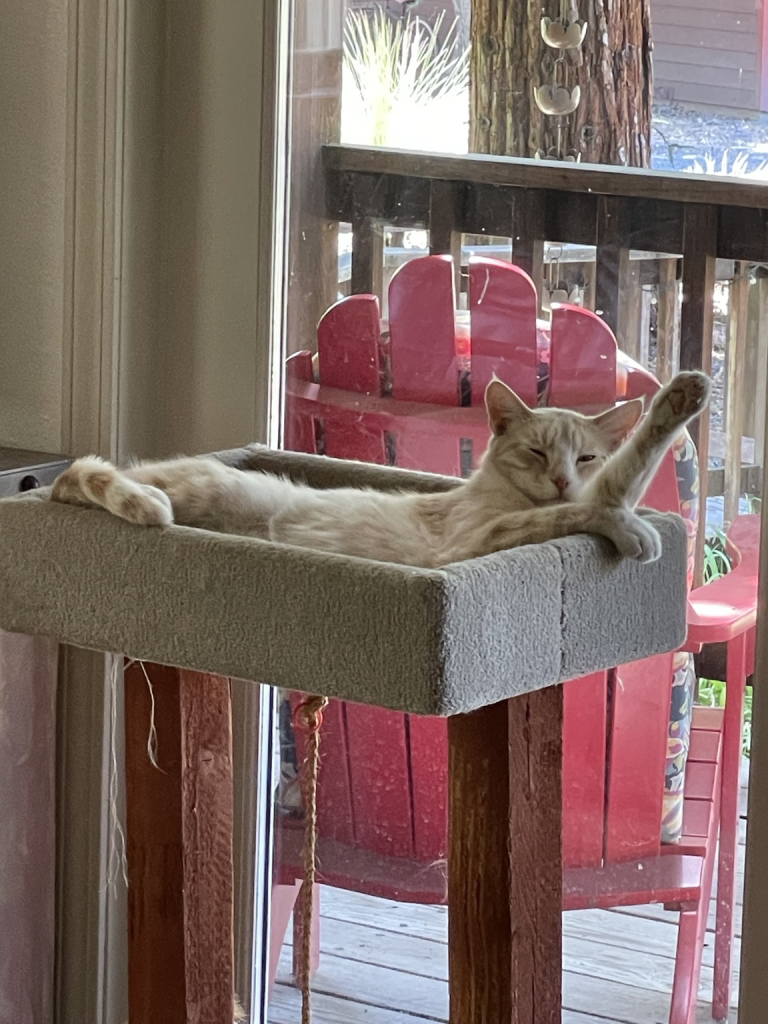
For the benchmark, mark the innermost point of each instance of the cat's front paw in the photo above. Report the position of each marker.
(684, 398)
(633, 536)
(141, 504)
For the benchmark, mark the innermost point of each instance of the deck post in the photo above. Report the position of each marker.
(313, 271)
(179, 839)
(505, 866)
(700, 224)
(615, 288)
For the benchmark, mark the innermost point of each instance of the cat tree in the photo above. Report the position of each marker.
(483, 641)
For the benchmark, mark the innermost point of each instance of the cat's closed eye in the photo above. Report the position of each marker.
(586, 458)
(535, 451)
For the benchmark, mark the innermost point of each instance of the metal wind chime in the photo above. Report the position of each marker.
(559, 99)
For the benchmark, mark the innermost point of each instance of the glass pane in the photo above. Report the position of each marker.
(414, 277)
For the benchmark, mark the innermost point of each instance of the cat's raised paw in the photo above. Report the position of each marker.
(684, 398)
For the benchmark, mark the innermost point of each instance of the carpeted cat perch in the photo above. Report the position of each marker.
(432, 642)
(441, 642)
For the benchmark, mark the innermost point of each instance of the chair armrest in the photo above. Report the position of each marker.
(722, 609)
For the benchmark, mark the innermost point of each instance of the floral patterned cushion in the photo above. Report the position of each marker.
(684, 678)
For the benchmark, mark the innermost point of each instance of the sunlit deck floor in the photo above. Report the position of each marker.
(387, 963)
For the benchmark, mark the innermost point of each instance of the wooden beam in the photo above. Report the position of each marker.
(313, 277)
(699, 251)
(601, 180)
(367, 257)
(535, 843)
(529, 233)
(179, 822)
(751, 480)
(612, 269)
(738, 314)
(667, 322)
(479, 922)
(756, 372)
(505, 868)
(445, 235)
(631, 316)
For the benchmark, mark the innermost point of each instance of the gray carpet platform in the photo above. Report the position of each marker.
(433, 642)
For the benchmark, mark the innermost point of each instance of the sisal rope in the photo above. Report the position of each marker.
(309, 717)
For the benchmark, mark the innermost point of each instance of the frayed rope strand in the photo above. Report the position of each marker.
(152, 737)
(117, 861)
(308, 717)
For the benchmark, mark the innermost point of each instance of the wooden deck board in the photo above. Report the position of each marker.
(384, 962)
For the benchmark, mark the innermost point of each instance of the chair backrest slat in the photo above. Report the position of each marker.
(584, 747)
(348, 357)
(502, 305)
(380, 774)
(423, 360)
(582, 360)
(428, 749)
(335, 817)
(299, 426)
(422, 332)
(637, 751)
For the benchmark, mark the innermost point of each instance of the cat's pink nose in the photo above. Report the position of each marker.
(561, 483)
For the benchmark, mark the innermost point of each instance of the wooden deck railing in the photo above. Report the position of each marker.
(659, 240)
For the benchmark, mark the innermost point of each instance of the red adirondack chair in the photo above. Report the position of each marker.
(410, 393)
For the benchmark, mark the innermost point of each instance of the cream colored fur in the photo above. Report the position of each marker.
(547, 473)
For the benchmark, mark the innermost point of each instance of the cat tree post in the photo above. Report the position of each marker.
(505, 875)
(179, 819)
(483, 642)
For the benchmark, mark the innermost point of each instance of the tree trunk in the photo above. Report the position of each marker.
(612, 124)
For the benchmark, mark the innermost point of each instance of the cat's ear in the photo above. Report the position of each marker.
(616, 424)
(503, 405)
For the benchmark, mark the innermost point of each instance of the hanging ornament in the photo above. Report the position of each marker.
(554, 153)
(555, 290)
(562, 33)
(557, 99)
(560, 295)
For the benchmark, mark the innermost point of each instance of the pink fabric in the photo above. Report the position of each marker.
(28, 670)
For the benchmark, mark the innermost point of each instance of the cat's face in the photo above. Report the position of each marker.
(549, 454)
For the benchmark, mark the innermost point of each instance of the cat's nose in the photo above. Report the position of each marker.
(561, 483)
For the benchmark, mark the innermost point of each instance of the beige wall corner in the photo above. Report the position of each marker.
(33, 156)
(136, 250)
(196, 234)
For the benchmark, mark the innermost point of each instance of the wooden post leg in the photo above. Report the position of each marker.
(729, 826)
(505, 867)
(179, 838)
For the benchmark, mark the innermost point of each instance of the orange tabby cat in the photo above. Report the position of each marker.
(547, 473)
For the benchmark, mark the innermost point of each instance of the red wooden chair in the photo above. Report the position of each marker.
(414, 399)
(725, 611)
